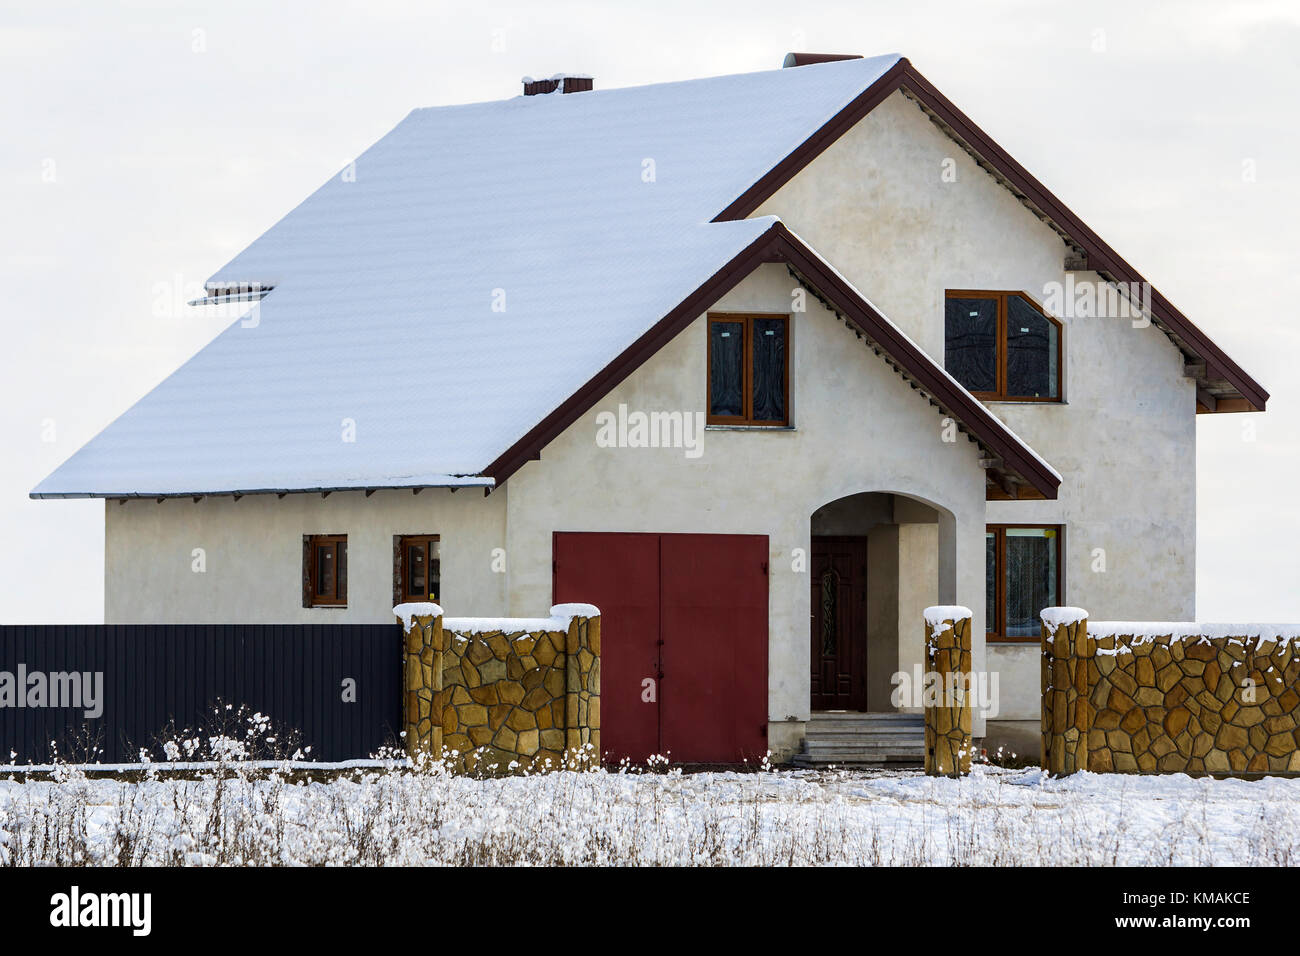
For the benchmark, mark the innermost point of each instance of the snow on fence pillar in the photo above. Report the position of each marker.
(422, 653)
(947, 702)
(501, 694)
(1067, 652)
(581, 683)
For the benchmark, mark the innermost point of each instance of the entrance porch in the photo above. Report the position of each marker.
(874, 567)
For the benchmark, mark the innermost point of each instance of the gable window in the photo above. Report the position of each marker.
(1022, 576)
(749, 369)
(1002, 346)
(417, 569)
(325, 570)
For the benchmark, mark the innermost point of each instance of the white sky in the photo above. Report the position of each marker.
(167, 160)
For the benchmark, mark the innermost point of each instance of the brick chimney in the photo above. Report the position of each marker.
(564, 82)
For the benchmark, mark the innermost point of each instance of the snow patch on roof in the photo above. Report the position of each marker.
(482, 263)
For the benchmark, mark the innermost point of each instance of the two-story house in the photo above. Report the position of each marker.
(761, 365)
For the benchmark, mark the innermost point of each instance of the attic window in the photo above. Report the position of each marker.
(749, 369)
(1002, 346)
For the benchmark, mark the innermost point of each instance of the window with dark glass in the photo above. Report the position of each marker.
(325, 570)
(749, 369)
(1001, 345)
(419, 568)
(1023, 576)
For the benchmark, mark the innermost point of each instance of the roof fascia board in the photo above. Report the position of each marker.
(468, 481)
(529, 447)
(955, 399)
(778, 244)
(1101, 257)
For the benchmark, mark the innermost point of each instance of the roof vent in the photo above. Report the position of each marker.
(807, 59)
(564, 82)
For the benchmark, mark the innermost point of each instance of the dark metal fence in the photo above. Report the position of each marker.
(160, 675)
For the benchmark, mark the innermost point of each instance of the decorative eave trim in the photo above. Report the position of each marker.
(778, 244)
(1099, 256)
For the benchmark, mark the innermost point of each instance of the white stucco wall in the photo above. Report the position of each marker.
(878, 205)
(918, 554)
(857, 427)
(253, 555)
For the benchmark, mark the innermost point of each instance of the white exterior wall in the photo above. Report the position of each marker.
(877, 206)
(253, 555)
(858, 427)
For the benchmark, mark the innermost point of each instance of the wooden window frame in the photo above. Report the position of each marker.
(999, 394)
(310, 596)
(996, 617)
(400, 542)
(747, 369)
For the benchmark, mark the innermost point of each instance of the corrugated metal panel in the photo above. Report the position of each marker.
(155, 675)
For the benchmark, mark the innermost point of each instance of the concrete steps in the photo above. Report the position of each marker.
(847, 739)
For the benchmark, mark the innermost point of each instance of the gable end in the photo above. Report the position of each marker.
(1222, 385)
(1013, 468)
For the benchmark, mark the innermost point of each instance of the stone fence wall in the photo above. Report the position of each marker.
(503, 694)
(948, 741)
(1169, 697)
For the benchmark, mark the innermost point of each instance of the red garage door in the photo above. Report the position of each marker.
(683, 640)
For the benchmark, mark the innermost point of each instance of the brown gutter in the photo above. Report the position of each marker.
(1101, 257)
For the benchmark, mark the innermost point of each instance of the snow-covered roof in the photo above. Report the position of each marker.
(481, 264)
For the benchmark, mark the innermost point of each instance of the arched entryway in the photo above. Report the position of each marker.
(875, 564)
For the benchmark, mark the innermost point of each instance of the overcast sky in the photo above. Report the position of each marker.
(147, 143)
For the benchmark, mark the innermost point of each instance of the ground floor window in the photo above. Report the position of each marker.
(417, 568)
(1023, 576)
(325, 570)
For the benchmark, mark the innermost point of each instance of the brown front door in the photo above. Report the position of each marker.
(839, 623)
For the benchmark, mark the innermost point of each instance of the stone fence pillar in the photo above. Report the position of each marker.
(581, 685)
(422, 652)
(1067, 712)
(518, 691)
(947, 701)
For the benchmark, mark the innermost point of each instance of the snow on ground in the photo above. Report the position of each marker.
(396, 816)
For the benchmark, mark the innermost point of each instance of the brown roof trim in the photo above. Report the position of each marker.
(812, 147)
(917, 365)
(778, 244)
(1101, 257)
(529, 447)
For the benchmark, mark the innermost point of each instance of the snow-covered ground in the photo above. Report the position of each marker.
(1000, 817)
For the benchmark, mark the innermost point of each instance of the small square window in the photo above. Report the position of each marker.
(325, 570)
